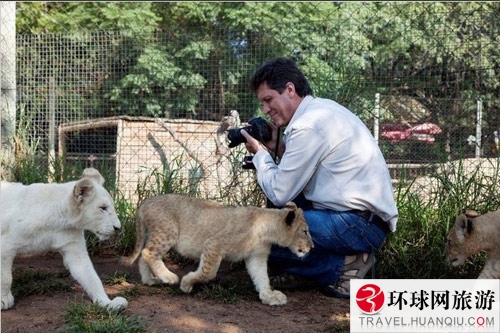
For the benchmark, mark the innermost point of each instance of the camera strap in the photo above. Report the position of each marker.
(277, 145)
(269, 204)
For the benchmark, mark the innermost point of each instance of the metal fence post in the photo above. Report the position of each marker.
(376, 125)
(479, 117)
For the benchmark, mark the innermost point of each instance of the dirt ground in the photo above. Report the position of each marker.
(306, 311)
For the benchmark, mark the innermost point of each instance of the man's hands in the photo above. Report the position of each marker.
(253, 145)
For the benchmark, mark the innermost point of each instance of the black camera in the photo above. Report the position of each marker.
(257, 128)
(247, 163)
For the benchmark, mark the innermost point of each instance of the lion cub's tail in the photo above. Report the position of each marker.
(140, 232)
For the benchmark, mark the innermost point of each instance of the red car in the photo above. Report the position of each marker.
(425, 132)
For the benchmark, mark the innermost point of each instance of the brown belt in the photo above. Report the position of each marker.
(374, 218)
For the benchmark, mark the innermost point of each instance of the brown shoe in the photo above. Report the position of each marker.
(356, 269)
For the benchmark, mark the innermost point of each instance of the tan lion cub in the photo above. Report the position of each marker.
(471, 234)
(208, 231)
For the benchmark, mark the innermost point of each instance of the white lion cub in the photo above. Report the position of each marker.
(38, 218)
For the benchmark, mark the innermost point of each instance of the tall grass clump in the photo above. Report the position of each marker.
(125, 210)
(166, 179)
(238, 186)
(427, 209)
(31, 163)
(398, 256)
(26, 166)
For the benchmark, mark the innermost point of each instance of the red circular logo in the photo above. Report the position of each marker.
(370, 298)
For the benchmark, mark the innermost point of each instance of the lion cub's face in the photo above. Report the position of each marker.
(459, 245)
(301, 241)
(95, 205)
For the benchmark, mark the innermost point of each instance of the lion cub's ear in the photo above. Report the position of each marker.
(91, 173)
(291, 205)
(470, 213)
(466, 225)
(290, 216)
(82, 190)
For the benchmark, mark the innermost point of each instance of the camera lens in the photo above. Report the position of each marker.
(235, 137)
(258, 128)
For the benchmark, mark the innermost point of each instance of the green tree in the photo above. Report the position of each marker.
(72, 17)
(445, 55)
(193, 59)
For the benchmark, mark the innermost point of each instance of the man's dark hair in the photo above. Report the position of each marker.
(277, 73)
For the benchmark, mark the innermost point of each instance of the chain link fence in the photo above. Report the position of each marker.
(131, 104)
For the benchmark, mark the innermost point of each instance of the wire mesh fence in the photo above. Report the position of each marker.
(423, 77)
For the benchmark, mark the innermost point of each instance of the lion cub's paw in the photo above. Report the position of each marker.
(117, 304)
(152, 281)
(273, 297)
(186, 288)
(186, 284)
(7, 301)
(170, 278)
